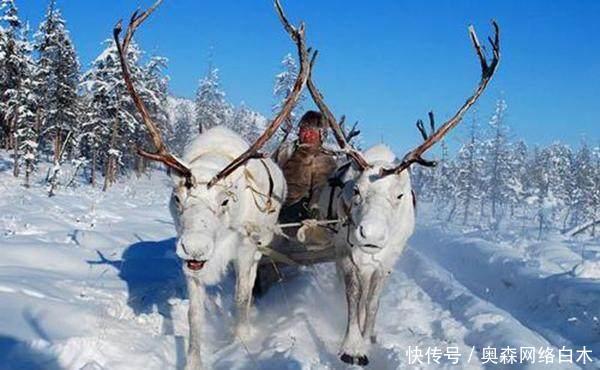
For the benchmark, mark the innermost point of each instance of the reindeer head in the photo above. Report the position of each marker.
(378, 209)
(205, 216)
(201, 216)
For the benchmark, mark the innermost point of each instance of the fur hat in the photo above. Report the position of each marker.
(312, 119)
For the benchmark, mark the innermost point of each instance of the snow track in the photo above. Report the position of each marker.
(90, 281)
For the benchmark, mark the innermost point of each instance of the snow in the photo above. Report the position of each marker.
(90, 280)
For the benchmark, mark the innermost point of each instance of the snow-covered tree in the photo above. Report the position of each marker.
(244, 122)
(153, 88)
(498, 169)
(12, 61)
(27, 103)
(112, 123)
(595, 190)
(469, 172)
(182, 121)
(540, 196)
(583, 168)
(517, 177)
(94, 128)
(58, 73)
(557, 158)
(211, 107)
(18, 100)
(443, 186)
(113, 131)
(284, 84)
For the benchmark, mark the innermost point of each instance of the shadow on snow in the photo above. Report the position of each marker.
(18, 355)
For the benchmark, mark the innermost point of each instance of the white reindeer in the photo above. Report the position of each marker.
(223, 223)
(226, 196)
(374, 199)
(379, 217)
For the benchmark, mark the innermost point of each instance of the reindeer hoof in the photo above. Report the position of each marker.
(355, 360)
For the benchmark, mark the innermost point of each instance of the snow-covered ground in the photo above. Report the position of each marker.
(89, 280)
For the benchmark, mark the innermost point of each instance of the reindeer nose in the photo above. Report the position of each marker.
(193, 247)
(361, 229)
(371, 233)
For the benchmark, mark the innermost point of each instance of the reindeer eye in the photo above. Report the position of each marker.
(400, 196)
(225, 203)
(356, 191)
(177, 199)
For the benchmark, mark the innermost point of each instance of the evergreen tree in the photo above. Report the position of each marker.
(284, 84)
(153, 88)
(113, 131)
(584, 183)
(557, 162)
(58, 73)
(211, 107)
(469, 174)
(244, 122)
(12, 61)
(181, 122)
(26, 104)
(518, 156)
(497, 164)
(595, 190)
(112, 123)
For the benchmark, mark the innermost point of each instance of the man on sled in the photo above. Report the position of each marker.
(307, 166)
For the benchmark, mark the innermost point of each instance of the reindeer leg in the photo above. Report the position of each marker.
(195, 315)
(377, 282)
(353, 351)
(365, 286)
(246, 266)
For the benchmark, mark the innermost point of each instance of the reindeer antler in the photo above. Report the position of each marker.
(487, 71)
(297, 35)
(162, 153)
(340, 137)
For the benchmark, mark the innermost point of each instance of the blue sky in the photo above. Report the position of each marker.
(384, 63)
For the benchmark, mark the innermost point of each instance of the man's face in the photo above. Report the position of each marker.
(310, 136)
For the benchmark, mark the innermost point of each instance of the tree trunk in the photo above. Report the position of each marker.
(57, 146)
(139, 166)
(28, 170)
(38, 128)
(16, 156)
(93, 172)
(11, 134)
(467, 206)
(6, 134)
(594, 224)
(109, 179)
(482, 209)
(451, 214)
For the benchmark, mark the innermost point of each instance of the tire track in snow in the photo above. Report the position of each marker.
(488, 324)
(503, 277)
